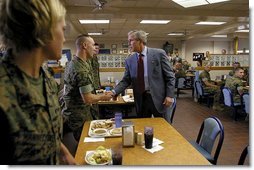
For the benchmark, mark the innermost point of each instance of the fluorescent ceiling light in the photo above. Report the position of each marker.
(155, 21)
(209, 23)
(242, 30)
(176, 33)
(192, 3)
(216, 1)
(94, 33)
(219, 36)
(84, 21)
(241, 51)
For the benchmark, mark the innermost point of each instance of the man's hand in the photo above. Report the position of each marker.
(65, 157)
(168, 101)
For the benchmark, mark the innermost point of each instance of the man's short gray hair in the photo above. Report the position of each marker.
(139, 35)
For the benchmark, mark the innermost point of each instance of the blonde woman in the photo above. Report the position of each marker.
(30, 119)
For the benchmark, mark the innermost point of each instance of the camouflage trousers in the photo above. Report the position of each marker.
(217, 94)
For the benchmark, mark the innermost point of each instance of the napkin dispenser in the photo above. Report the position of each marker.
(128, 139)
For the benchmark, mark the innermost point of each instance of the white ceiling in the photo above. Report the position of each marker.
(125, 15)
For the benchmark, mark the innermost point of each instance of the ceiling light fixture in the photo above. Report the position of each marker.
(219, 36)
(176, 34)
(154, 21)
(84, 21)
(193, 3)
(242, 31)
(209, 23)
(94, 33)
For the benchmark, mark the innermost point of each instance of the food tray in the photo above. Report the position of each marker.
(104, 128)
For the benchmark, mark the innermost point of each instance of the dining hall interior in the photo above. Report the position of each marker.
(195, 36)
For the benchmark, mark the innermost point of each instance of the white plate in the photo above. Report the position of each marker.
(116, 131)
(90, 154)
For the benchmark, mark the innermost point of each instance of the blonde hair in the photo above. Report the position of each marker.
(28, 24)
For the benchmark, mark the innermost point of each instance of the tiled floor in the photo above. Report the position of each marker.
(189, 116)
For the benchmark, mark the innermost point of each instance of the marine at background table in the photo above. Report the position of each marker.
(177, 150)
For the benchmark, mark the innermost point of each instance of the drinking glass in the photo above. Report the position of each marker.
(117, 155)
(148, 135)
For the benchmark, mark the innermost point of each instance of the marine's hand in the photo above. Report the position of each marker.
(66, 157)
(110, 93)
(106, 97)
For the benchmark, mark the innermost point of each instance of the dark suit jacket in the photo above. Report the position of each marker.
(160, 77)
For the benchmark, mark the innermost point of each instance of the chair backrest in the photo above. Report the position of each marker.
(181, 82)
(243, 156)
(196, 75)
(199, 88)
(228, 97)
(170, 112)
(210, 129)
(246, 100)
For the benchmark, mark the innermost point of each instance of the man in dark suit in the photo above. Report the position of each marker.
(157, 93)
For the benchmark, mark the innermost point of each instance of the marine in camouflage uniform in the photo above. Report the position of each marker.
(205, 76)
(78, 78)
(95, 69)
(180, 73)
(30, 124)
(235, 65)
(235, 84)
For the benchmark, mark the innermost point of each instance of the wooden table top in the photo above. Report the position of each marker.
(177, 150)
(119, 101)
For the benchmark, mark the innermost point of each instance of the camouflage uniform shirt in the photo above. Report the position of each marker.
(205, 76)
(95, 68)
(78, 79)
(180, 73)
(234, 84)
(30, 124)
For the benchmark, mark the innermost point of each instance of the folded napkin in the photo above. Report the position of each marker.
(88, 139)
(157, 142)
(156, 146)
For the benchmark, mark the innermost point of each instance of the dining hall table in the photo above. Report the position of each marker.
(118, 104)
(177, 150)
